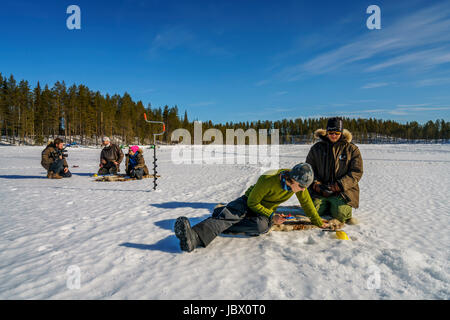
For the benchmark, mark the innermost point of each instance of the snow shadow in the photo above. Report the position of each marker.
(180, 204)
(168, 224)
(99, 189)
(169, 244)
(15, 176)
(82, 174)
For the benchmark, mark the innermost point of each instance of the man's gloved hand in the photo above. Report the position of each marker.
(316, 187)
(335, 188)
(325, 224)
(278, 219)
(325, 191)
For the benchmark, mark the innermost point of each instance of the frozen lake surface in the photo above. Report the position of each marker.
(120, 235)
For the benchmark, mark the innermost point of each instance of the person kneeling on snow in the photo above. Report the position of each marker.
(135, 163)
(54, 161)
(253, 213)
(338, 167)
(110, 158)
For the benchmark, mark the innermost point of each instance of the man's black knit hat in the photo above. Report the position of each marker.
(335, 124)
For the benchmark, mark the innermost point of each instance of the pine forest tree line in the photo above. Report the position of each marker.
(36, 115)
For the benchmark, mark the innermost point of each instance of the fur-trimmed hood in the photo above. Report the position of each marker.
(322, 134)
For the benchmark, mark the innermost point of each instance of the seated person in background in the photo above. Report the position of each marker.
(110, 158)
(54, 161)
(135, 164)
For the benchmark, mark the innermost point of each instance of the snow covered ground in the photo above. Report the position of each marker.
(120, 235)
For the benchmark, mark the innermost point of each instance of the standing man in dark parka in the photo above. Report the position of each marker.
(338, 168)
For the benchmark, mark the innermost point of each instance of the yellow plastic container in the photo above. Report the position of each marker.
(341, 235)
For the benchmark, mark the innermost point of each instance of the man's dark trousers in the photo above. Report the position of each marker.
(58, 167)
(235, 217)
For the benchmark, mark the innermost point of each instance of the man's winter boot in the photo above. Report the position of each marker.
(52, 175)
(352, 221)
(57, 176)
(189, 239)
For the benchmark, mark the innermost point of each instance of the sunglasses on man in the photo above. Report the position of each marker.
(334, 133)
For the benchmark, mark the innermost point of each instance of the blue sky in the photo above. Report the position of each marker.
(241, 60)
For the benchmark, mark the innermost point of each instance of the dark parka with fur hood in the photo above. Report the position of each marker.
(140, 162)
(339, 162)
(47, 158)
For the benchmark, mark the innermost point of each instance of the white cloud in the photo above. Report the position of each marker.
(375, 85)
(426, 109)
(401, 110)
(425, 58)
(261, 83)
(412, 105)
(172, 37)
(432, 82)
(339, 104)
(397, 44)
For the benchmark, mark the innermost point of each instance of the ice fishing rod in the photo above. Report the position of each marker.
(153, 146)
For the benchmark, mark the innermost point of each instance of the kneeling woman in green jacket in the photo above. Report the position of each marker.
(253, 213)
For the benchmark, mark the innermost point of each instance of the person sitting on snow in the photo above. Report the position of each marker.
(54, 161)
(135, 163)
(338, 167)
(253, 213)
(110, 158)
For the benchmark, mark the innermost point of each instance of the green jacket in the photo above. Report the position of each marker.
(267, 194)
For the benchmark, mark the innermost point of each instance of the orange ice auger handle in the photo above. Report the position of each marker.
(156, 122)
(160, 122)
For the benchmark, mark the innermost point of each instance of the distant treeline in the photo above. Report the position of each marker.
(35, 115)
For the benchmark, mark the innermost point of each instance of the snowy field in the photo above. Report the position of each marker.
(120, 235)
